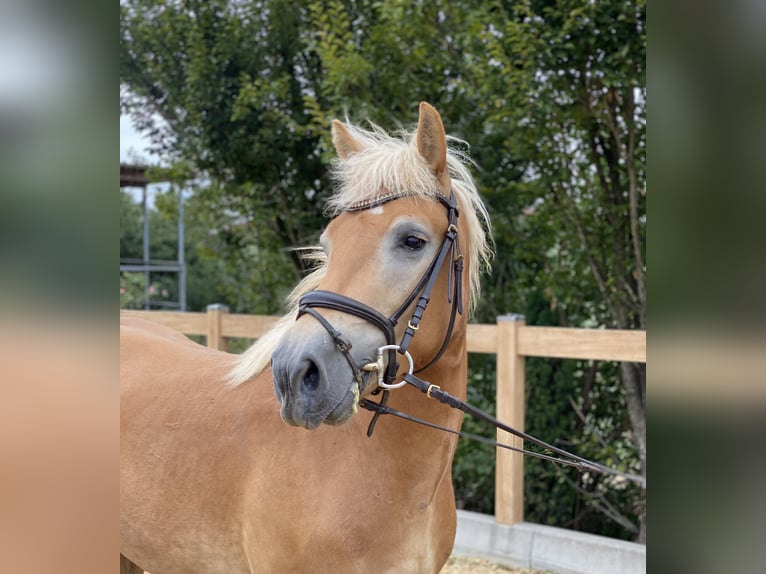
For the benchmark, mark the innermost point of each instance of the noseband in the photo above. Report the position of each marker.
(450, 249)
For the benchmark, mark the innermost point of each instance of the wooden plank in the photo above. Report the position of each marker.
(598, 344)
(509, 467)
(481, 338)
(187, 323)
(248, 326)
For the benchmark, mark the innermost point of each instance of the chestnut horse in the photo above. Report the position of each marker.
(226, 466)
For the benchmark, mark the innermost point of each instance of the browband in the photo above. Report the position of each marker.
(385, 198)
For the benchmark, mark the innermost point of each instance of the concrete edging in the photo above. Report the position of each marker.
(541, 547)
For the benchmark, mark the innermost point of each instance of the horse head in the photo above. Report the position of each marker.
(393, 246)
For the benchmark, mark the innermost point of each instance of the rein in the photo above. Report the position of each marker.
(436, 393)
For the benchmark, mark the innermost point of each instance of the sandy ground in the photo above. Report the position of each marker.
(467, 565)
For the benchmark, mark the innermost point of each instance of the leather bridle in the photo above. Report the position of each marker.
(449, 251)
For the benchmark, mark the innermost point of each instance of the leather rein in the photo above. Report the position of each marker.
(449, 250)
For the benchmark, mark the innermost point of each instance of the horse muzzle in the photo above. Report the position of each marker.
(315, 384)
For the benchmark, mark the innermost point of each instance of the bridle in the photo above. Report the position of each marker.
(449, 251)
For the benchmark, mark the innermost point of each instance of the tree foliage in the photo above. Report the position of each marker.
(551, 97)
(566, 90)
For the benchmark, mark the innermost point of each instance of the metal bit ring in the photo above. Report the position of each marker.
(381, 382)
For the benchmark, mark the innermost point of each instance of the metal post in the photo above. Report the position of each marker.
(147, 274)
(181, 253)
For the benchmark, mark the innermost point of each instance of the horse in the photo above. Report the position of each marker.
(260, 462)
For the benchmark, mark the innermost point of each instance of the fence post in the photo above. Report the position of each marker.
(509, 467)
(215, 313)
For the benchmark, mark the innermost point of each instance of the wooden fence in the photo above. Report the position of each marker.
(510, 339)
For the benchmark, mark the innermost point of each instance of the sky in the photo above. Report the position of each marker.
(132, 143)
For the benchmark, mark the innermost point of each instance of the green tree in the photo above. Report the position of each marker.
(222, 78)
(219, 268)
(568, 89)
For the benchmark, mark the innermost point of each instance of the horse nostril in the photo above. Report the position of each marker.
(311, 377)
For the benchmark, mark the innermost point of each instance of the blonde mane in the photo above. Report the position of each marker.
(385, 165)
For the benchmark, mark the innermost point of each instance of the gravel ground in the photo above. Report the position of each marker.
(468, 565)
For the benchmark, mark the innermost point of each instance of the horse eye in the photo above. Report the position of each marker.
(414, 243)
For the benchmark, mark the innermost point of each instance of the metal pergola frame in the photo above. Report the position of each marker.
(135, 176)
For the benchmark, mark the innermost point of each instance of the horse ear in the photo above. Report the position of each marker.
(432, 141)
(345, 144)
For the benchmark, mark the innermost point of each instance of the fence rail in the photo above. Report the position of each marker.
(510, 339)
